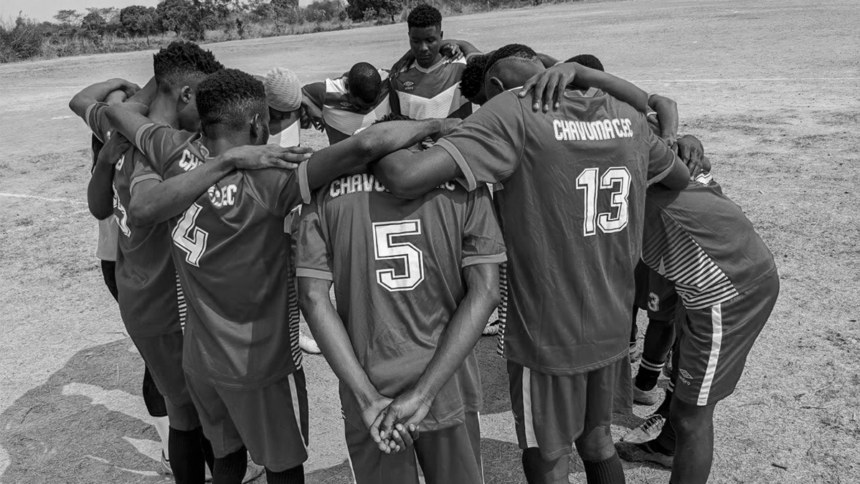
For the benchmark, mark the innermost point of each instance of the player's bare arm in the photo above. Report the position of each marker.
(459, 338)
(371, 145)
(667, 114)
(411, 174)
(100, 188)
(547, 60)
(330, 333)
(549, 85)
(98, 93)
(311, 115)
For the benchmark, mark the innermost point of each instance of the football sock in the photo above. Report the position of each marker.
(230, 469)
(162, 426)
(296, 475)
(649, 372)
(186, 456)
(665, 442)
(608, 471)
(208, 453)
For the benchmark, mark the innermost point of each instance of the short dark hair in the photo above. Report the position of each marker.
(365, 82)
(392, 117)
(182, 60)
(511, 50)
(587, 60)
(424, 16)
(472, 79)
(228, 98)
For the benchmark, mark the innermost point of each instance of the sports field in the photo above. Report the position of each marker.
(770, 87)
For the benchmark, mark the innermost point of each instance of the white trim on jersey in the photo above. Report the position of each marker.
(528, 421)
(439, 106)
(713, 358)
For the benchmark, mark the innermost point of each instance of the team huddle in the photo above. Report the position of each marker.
(455, 184)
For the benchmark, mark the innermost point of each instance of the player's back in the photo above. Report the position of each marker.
(396, 266)
(342, 119)
(433, 92)
(572, 209)
(703, 242)
(233, 260)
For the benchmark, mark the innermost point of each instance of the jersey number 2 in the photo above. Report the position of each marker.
(588, 181)
(386, 248)
(191, 239)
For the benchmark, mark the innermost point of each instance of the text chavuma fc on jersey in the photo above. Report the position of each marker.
(572, 208)
(232, 255)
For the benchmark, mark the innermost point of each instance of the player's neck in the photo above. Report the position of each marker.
(220, 143)
(163, 111)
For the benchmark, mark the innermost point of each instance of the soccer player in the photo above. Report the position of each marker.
(351, 102)
(430, 86)
(286, 108)
(107, 239)
(241, 361)
(472, 79)
(415, 282)
(151, 300)
(572, 209)
(728, 282)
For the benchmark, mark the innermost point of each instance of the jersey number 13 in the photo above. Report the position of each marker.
(616, 179)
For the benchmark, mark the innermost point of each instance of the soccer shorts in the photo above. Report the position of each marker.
(552, 411)
(662, 297)
(271, 422)
(447, 456)
(163, 356)
(714, 343)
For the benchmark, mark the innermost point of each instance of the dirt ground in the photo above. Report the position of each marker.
(769, 86)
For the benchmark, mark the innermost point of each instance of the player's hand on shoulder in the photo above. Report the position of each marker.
(451, 50)
(128, 87)
(692, 153)
(547, 87)
(256, 157)
(113, 150)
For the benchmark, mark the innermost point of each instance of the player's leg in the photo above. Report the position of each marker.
(163, 356)
(659, 338)
(453, 454)
(230, 454)
(549, 414)
(269, 422)
(607, 391)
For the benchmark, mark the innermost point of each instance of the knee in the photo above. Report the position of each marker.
(689, 419)
(596, 445)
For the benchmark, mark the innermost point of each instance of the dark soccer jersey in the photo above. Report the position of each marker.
(150, 298)
(396, 266)
(572, 208)
(702, 241)
(430, 93)
(232, 255)
(342, 119)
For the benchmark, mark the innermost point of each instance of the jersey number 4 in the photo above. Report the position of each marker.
(615, 177)
(386, 248)
(191, 239)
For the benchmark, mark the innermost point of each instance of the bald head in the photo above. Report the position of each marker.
(510, 67)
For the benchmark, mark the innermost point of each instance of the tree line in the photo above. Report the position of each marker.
(135, 27)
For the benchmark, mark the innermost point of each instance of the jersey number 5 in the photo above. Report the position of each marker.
(386, 248)
(588, 181)
(191, 239)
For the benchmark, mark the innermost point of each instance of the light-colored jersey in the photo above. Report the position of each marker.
(342, 119)
(430, 93)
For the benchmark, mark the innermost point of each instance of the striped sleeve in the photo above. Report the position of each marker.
(674, 253)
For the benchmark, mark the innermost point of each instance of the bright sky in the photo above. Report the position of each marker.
(46, 9)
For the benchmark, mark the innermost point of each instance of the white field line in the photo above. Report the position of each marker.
(44, 199)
